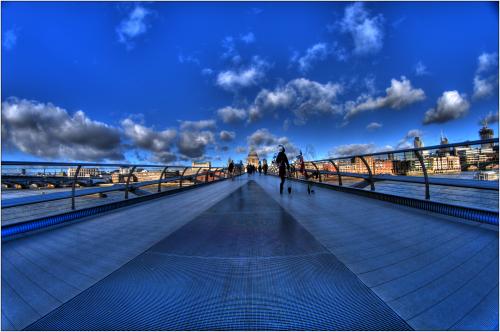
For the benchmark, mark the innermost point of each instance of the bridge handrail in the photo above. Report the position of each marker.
(433, 147)
(361, 156)
(221, 171)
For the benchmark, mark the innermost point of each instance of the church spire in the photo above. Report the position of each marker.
(252, 146)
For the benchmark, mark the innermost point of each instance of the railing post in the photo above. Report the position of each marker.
(427, 193)
(370, 171)
(338, 172)
(73, 190)
(206, 175)
(319, 174)
(128, 180)
(180, 184)
(196, 175)
(215, 173)
(159, 182)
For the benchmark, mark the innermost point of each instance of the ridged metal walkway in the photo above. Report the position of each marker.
(239, 256)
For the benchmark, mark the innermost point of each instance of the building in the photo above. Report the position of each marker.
(360, 165)
(472, 159)
(205, 164)
(84, 172)
(382, 167)
(253, 158)
(444, 141)
(124, 170)
(409, 155)
(418, 143)
(122, 177)
(154, 175)
(486, 133)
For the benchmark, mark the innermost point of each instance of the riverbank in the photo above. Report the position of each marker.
(433, 173)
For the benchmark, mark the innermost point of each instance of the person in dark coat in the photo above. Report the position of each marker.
(230, 169)
(281, 160)
(249, 169)
(260, 169)
(264, 168)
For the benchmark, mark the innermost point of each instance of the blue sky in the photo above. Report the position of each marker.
(175, 82)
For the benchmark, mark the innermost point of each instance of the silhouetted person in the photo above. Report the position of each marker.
(264, 168)
(260, 169)
(281, 160)
(230, 170)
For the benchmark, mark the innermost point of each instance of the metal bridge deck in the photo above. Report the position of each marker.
(237, 255)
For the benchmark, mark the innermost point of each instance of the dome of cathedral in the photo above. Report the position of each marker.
(252, 153)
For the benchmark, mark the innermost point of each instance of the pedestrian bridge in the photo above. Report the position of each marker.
(237, 255)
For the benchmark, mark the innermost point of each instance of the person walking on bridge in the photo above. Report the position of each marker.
(230, 169)
(260, 169)
(264, 168)
(281, 160)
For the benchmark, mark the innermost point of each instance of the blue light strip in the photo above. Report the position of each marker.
(465, 212)
(34, 224)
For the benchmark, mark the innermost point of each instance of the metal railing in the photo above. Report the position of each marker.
(471, 213)
(198, 175)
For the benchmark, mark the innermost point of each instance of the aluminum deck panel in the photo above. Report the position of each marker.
(230, 269)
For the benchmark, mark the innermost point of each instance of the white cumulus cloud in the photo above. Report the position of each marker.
(248, 38)
(367, 33)
(487, 61)
(227, 136)
(133, 26)
(49, 132)
(189, 58)
(316, 53)
(206, 71)
(9, 39)
(240, 150)
(399, 95)
(193, 144)
(372, 126)
(486, 87)
(248, 76)
(490, 118)
(352, 150)
(304, 97)
(231, 115)
(197, 125)
(150, 139)
(414, 133)
(421, 69)
(450, 106)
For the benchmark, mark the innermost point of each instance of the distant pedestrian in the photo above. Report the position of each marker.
(249, 170)
(281, 160)
(292, 170)
(230, 170)
(260, 169)
(264, 168)
(303, 170)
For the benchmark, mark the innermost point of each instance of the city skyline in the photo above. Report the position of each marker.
(175, 83)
